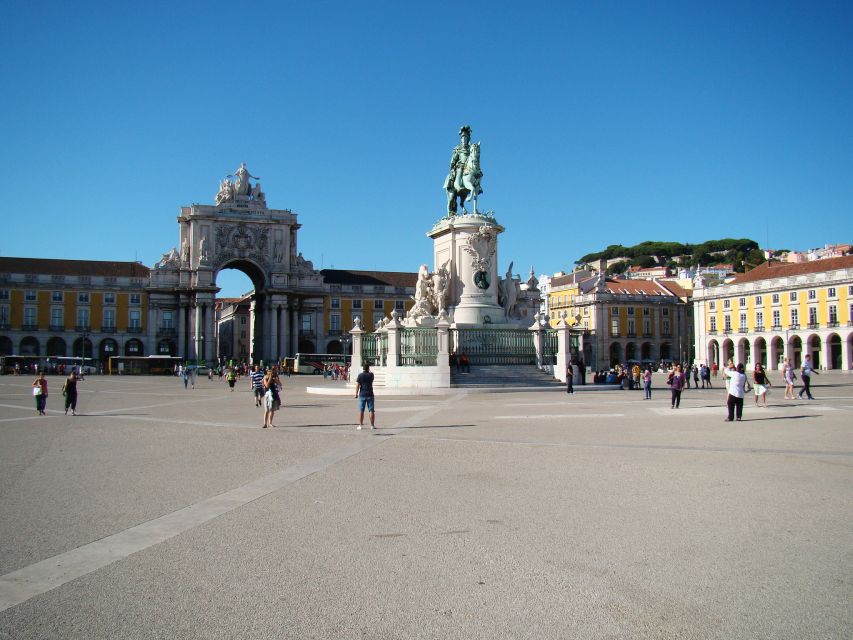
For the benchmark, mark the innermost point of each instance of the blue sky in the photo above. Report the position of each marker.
(600, 123)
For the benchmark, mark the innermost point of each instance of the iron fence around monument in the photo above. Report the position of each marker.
(418, 348)
(494, 346)
(550, 347)
(374, 348)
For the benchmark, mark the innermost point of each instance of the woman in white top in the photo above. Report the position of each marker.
(737, 389)
(788, 374)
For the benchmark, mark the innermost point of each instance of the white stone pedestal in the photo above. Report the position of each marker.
(468, 243)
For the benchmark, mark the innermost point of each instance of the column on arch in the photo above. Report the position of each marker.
(198, 331)
(846, 364)
(209, 332)
(272, 331)
(182, 329)
(284, 331)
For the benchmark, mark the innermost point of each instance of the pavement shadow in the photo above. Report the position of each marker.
(438, 426)
(813, 415)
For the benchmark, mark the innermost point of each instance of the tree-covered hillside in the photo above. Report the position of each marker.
(742, 253)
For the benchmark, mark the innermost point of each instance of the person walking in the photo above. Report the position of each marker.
(185, 374)
(806, 373)
(737, 390)
(760, 384)
(789, 376)
(231, 378)
(647, 383)
(676, 382)
(257, 385)
(69, 390)
(570, 378)
(364, 393)
(695, 377)
(268, 399)
(40, 393)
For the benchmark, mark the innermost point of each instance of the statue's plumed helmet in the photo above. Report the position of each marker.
(466, 130)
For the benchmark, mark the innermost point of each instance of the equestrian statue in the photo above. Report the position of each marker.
(463, 182)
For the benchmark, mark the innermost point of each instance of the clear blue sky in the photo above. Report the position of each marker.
(600, 123)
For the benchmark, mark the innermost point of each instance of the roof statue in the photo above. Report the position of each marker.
(240, 189)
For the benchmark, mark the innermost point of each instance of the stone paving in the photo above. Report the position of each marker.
(165, 513)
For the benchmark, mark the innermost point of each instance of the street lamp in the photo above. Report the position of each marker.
(84, 336)
(344, 344)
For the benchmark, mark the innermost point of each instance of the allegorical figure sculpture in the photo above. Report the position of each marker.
(230, 191)
(509, 290)
(463, 181)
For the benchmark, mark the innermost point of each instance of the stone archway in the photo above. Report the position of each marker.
(56, 347)
(646, 352)
(630, 352)
(6, 346)
(713, 355)
(107, 349)
(82, 348)
(238, 232)
(615, 354)
(30, 346)
(744, 352)
(835, 353)
(666, 351)
(728, 352)
(759, 354)
(795, 348)
(813, 348)
(777, 352)
(134, 347)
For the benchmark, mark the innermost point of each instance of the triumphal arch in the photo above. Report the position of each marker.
(238, 231)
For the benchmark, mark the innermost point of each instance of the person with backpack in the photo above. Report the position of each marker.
(806, 373)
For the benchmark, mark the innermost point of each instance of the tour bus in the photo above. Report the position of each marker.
(143, 365)
(48, 364)
(314, 363)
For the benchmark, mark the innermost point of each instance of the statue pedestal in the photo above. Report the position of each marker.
(468, 245)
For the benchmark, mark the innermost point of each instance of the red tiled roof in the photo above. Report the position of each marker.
(768, 270)
(675, 288)
(382, 278)
(48, 266)
(618, 286)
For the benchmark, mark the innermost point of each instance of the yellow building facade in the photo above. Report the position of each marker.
(624, 320)
(780, 310)
(73, 308)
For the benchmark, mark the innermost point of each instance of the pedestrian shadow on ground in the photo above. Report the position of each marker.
(812, 415)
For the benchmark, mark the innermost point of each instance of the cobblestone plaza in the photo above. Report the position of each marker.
(165, 513)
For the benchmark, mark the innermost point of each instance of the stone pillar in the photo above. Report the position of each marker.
(198, 331)
(274, 333)
(537, 333)
(825, 353)
(151, 329)
(294, 328)
(252, 337)
(846, 365)
(182, 330)
(442, 328)
(284, 331)
(355, 363)
(393, 328)
(564, 355)
(209, 332)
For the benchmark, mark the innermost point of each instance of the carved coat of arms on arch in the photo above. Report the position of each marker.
(242, 241)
